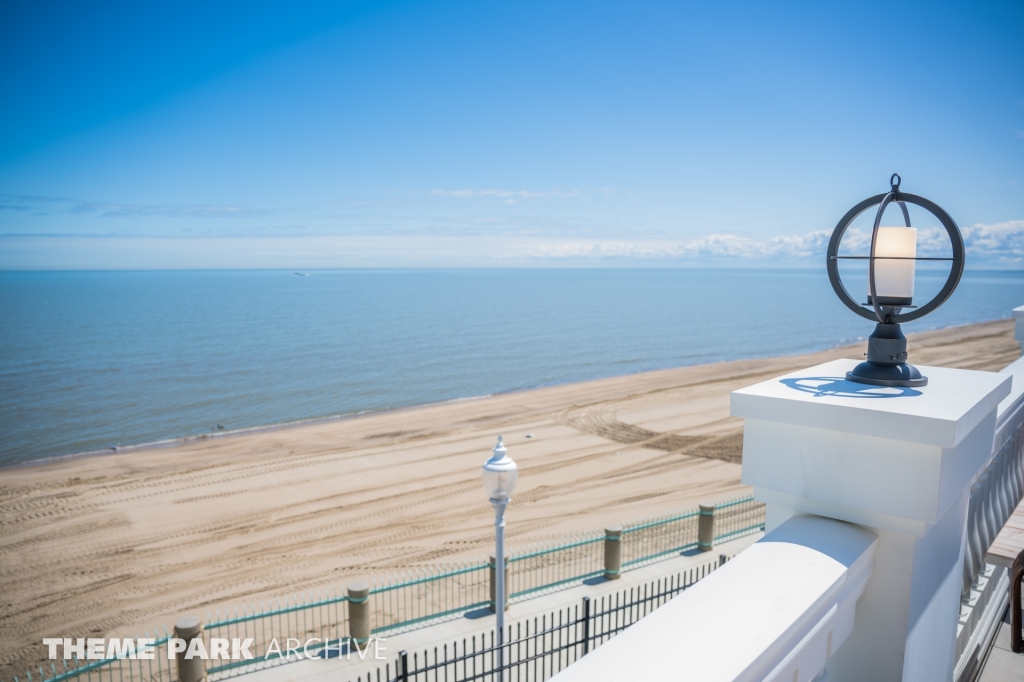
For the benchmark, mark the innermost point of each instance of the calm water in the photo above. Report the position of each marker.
(91, 360)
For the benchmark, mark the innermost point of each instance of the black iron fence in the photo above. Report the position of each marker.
(537, 648)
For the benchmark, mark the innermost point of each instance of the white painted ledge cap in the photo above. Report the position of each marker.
(942, 413)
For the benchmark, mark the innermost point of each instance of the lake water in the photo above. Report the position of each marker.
(89, 360)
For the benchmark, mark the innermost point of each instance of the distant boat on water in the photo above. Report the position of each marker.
(300, 274)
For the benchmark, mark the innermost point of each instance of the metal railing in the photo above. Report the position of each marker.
(546, 567)
(157, 669)
(323, 616)
(539, 647)
(648, 540)
(426, 594)
(421, 595)
(431, 594)
(738, 517)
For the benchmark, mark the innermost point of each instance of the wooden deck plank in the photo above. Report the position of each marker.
(1010, 540)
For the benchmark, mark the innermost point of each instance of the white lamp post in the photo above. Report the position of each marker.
(500, 475)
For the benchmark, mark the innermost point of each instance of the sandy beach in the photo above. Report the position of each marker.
(127, 541)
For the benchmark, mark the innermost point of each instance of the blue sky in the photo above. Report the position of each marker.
(481, 134)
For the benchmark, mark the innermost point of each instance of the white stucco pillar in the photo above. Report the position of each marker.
(898, 462)
(1018, 316)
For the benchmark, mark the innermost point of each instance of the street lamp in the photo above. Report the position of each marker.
(500, 474)
(891, 270)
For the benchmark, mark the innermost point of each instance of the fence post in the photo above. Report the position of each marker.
(706, 527)
(403, 661)
(494, 578)
(359, 613)
(586, 625)
(190, 669)
(612, 551)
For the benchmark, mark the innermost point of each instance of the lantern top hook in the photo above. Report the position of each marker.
(894, 182)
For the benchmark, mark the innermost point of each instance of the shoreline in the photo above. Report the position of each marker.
(263, 428)
(311, 421)
(122, 543)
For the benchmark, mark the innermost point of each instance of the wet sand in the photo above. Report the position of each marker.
(126, 541)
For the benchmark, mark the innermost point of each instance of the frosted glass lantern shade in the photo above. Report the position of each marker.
(894, 279)
(500, 484)
(500, 474)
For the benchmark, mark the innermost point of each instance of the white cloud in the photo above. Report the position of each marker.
(998, 245)
(508, 196)
(1001, 243)
(1003, 240)
(716, 246)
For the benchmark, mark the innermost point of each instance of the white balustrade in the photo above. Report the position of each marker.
(996, 492)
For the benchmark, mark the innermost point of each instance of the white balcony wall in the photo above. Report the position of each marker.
(880, 505)
(775, 612)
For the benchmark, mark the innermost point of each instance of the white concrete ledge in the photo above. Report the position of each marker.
(1010, 414)
(775, 612)
(941, 414)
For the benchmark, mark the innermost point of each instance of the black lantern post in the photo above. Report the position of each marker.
(891, 284)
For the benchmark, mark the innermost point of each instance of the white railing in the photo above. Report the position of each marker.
(775, 612)
(997, 490)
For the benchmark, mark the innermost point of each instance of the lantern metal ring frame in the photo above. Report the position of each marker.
(886, 363)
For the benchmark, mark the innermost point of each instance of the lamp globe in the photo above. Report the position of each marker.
(500, 474)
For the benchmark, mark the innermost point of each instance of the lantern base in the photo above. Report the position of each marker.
(887, 375)
(887, 360)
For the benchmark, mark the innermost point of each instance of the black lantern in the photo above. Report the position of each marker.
(891, 269)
